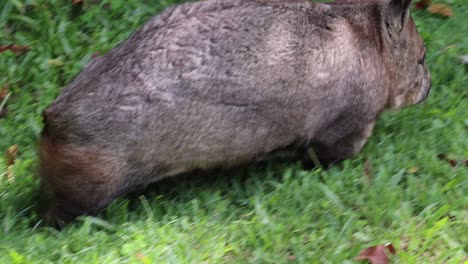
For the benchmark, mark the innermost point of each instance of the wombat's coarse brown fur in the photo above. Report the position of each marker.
(220, 83)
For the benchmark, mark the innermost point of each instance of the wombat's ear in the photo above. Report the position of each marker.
(399, 10)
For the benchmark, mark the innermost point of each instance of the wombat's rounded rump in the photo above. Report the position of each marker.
(222, 83)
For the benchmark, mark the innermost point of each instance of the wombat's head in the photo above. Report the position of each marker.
(410, 78)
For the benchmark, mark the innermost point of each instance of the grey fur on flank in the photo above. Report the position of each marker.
(221, 83)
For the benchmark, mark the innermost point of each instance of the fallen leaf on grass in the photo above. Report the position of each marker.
(291, 256)
(4, 91)
(17, 49)
(440, 9)
(423, 4)
(76, 2)
(452, 162)
(377, 254)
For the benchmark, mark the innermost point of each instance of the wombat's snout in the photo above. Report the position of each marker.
(416, 93)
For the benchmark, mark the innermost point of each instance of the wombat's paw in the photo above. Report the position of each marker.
(60, 215)
(52, 219)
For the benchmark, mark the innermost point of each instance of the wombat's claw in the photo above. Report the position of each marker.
(60, 215)
(52, 220)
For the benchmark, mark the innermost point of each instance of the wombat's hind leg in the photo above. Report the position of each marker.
(83, 179)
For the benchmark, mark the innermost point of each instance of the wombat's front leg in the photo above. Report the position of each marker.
(330, 152)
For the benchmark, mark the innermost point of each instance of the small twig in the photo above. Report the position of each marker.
(313, 157)
(4, 101)
(14, 48)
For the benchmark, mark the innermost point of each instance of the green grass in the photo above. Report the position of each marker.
(277, 213)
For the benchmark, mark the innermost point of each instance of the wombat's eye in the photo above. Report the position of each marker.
(421, 61)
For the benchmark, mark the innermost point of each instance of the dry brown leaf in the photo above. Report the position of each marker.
(423, 4)
(17, 49)
(76, 2)
(3, 92)
(440, 9)
(292, 257)
(377, 254)
(453, 163)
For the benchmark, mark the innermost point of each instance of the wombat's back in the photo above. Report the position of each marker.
(208, 83)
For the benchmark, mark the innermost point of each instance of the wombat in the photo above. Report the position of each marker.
(221, 83)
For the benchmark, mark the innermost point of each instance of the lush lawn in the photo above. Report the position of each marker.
(275, 213)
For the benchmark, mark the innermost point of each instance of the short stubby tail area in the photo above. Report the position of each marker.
(81, 178)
